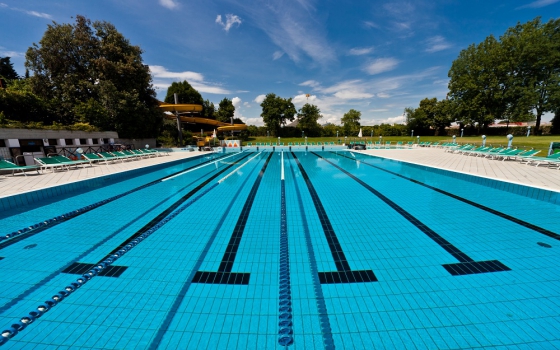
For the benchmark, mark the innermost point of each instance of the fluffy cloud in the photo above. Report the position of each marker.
(236, 101)
(277, 55)
(230, 21)
(357, 51)
(170, 4)
(259, 99)
(163, 79)
(437, 43)
(381, 65)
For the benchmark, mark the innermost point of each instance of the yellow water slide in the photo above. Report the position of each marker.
(182, 108)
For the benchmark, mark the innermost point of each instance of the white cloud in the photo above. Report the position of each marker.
(310, 83)
(230, 21)
(259, 99)
(12, 54)
(538, 4)
(276, 55)
(291, 25)
(437, 43)
(352, 95)
(369, 24)
(3, 5)
(360, 51)
(383, 95)
(170, 4)
(236, 101)
(303, 99)
(381, 65)
(162, 72)
(29, 12)
(246, 104)
(163, 79)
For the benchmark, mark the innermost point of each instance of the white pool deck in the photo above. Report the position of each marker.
(510, 171)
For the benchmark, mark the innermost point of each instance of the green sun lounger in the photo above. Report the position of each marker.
(9, 166)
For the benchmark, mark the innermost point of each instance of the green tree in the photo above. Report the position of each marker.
(534, 48)
(307, 120)
(416, 120)
(7, 72)
(19, 103)
(185, 94)
(225, 111)
(208, 110)
(276, 111)
(351, 121)
(90, 73)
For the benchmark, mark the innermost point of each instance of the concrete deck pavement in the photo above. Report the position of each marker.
(511, 171)
(10, 185)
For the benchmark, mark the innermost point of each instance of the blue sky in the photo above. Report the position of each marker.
(377, 57)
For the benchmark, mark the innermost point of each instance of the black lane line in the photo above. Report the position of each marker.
(344, 273)
(42, 226)
(164, 327)
(466, 265)
(224, 274)
(322, 312)
(175, 205)
(474, 204)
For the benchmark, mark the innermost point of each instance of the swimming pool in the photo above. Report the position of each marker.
(265, 250)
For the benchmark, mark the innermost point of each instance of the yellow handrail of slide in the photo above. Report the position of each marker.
(221, 126)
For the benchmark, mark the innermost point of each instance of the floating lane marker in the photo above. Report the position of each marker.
(198, 167)
(99, 268)
(343, 273)
(322, 311)
(14, 237)
(238, 168)
(285, 326)
(466, 265)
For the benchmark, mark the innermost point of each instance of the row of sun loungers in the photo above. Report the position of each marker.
(501, 153)
(59, 162)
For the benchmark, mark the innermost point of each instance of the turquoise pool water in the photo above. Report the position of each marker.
(271, 250)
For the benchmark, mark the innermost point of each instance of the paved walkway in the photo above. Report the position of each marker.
(10, 185)
(511, 171)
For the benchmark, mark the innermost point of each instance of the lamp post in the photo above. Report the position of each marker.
(412, 133)
(462, 132)
(302, 132)
(510, 140)
(483, 140)
(278, 140)
(528, 131)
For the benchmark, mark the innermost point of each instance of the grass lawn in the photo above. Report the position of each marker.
(541, 143)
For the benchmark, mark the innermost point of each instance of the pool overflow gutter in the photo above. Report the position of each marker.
(117, 253)
(29, 231)
(464, 200)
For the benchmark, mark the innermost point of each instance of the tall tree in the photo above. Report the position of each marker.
(91, 73)
(225, 111)
(276, 111)
(185, 93)
(535, 48)
(7, 72)
(208, 110)
(307, 119)
(351, 121)
(416, 121)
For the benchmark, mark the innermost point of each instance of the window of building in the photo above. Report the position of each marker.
(83, 141)
(106, 141)
(53, 142)
(2, 143)
(95, 141)
(69, 142)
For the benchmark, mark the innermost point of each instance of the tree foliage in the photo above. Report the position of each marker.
(351, 121)
(508, 79)
(91, 73)
(225, 111)
(185, 93)
(308, 116)
(276, 111)
(7, 72)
